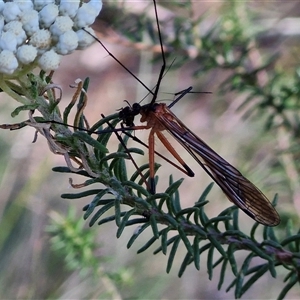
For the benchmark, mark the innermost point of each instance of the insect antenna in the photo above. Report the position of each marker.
(163, 67)
(119, 62)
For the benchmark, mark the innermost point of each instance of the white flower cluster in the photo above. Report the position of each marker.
(38, 32)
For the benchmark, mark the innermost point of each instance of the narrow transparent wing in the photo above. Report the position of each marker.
(236, 187)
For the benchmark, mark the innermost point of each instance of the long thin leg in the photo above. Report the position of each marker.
(151, 161)
(170, 148)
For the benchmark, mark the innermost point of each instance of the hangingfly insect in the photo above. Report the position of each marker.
(158, 118)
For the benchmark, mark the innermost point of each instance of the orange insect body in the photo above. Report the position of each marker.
(235, 186)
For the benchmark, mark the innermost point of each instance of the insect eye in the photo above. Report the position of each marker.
(136, 108)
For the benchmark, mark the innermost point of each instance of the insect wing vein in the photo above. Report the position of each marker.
(236, 187)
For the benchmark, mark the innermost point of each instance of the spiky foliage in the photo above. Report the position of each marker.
(125, 195)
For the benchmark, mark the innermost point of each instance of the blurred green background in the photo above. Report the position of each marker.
(30, 191)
